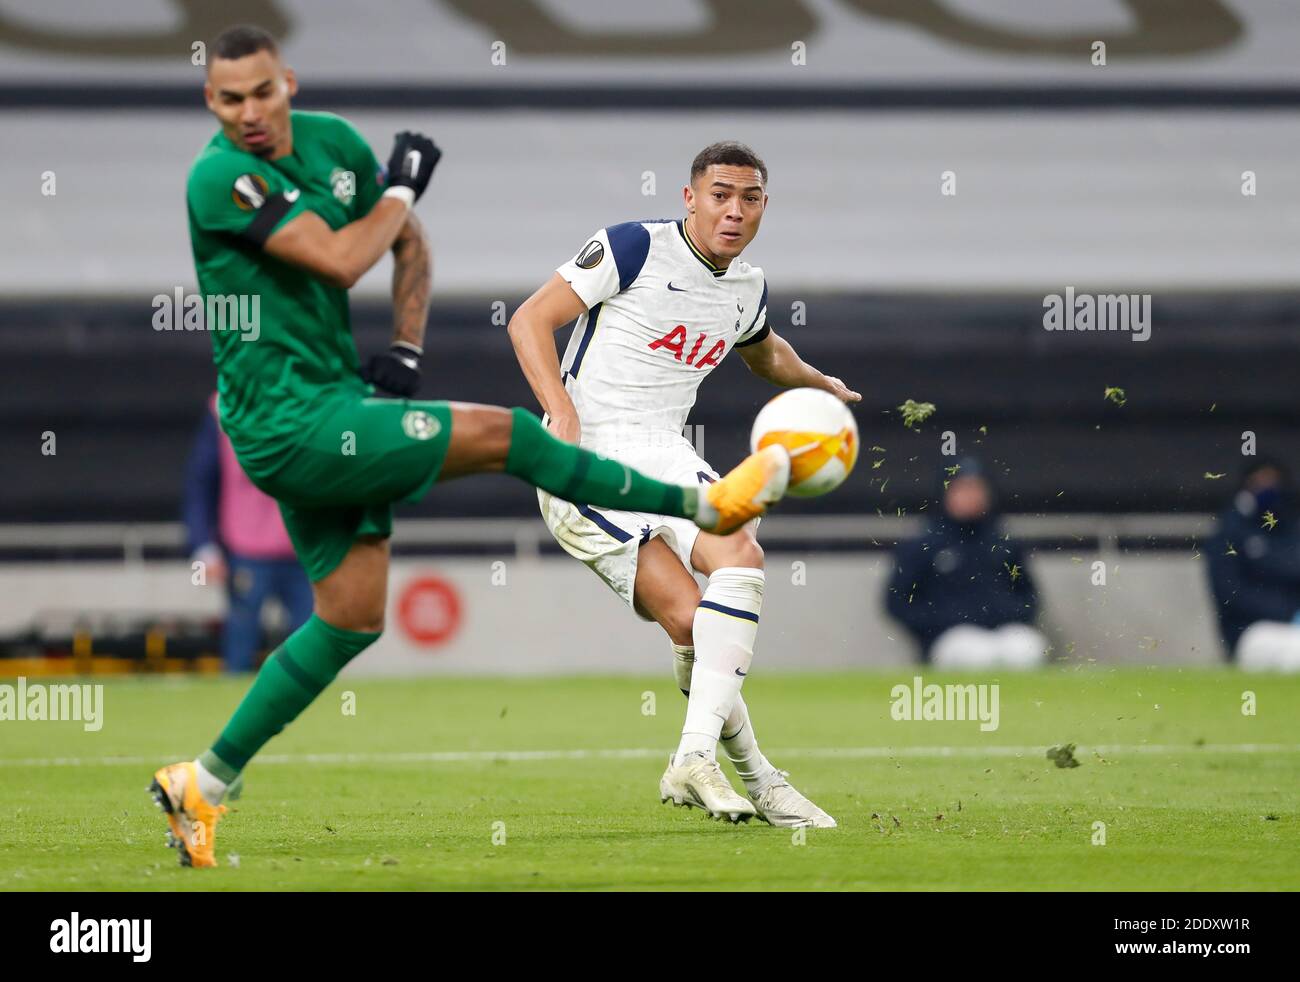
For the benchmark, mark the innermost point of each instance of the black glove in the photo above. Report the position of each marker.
(396, 371)
(411, 165)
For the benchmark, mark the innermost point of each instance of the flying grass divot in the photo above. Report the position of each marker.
(1062, 756)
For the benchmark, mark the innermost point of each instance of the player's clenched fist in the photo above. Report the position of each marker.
(396, 371)
(411, 165)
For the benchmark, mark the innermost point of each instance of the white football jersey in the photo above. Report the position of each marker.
(659, 318)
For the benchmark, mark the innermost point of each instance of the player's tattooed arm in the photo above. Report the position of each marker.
(396, 372)
(775, 360)
(532, 332)
(412, 283)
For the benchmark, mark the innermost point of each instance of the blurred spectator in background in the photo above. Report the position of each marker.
(962, 589)
(1254, 566)
(237, 532)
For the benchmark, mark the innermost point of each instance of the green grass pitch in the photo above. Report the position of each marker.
(407, 793)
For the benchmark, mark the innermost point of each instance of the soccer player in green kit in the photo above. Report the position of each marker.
(293, 207)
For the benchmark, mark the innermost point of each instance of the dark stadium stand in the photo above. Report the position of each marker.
(123, 405)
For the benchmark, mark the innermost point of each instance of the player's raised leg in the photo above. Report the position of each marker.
(489, 438)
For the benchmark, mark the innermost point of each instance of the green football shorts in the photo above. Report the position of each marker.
(340, 483)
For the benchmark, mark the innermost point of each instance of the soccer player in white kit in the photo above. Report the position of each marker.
(659, 304)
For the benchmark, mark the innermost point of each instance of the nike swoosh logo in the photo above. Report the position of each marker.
(741, 674)
(292, 196)
(676, 289)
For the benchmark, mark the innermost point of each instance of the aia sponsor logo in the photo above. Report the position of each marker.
(675, 341)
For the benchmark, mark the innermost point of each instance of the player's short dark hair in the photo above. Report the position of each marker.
(727, 152)
(243, 40)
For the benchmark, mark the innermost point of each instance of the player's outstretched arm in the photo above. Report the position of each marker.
(341, 257)
(532, 332)
(775, 359)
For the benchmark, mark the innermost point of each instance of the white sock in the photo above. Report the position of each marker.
(737, 736)
(211, 787)
(725, 625)
(683, 662)
(741, 745)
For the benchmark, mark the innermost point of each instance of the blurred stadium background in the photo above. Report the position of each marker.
(1123, 178)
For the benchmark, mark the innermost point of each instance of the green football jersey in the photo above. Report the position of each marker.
(284, 346)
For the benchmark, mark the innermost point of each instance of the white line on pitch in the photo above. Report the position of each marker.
(641, 753)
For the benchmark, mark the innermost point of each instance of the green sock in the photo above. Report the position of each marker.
(578, 475)
(295, 674)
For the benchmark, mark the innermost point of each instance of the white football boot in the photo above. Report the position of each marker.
(781, 805)
(698, 782)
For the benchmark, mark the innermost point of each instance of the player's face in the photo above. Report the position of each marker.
(1264, 478)
(250, 96)
(967, 499)
(725, 206)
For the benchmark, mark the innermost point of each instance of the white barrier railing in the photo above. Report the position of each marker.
(526, 535)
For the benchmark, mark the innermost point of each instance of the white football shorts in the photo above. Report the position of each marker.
(607, 540)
